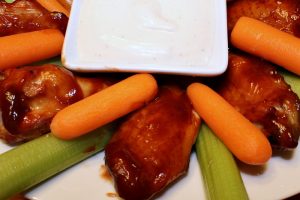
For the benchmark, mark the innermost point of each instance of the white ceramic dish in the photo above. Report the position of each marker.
(278, 180)
(157, 36)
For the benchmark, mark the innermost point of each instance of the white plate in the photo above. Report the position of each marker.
(278, 180)
(157, 36)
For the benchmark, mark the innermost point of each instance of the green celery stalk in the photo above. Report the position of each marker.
(55, 61)
(9, 1)
(220, 173)
(293, 80)
(39, 159)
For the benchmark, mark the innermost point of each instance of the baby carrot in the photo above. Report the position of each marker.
(240, 136)
(26, 48)
(66, 3)
(53, 5)
(258, 38)
(104, 106)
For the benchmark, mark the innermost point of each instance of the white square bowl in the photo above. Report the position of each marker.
(153, 36)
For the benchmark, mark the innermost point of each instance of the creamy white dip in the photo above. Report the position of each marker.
(145, 32)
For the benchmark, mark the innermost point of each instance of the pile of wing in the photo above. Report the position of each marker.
(152, 146)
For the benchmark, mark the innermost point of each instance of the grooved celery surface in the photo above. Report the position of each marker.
(39, 159)
(220, 173)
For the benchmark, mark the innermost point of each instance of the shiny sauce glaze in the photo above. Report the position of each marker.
(281, 14)
(90, 85)
(152, 147)
(259, 92)
(31, 96)
(28, 15)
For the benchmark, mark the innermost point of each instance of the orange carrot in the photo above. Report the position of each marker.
(26, 48)
(240, 136)
(66, 3)
(54, 6)
(258, 38)
(104, 106)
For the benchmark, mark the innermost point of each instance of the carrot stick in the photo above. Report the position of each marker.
(26, 48)
(258, 38)
(54, 6)
(104, 106)
(66, 3)
(240, 136)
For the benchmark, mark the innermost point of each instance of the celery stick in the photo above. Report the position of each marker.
(219, 170)
(37, 160)
(55, 61)
(293, 80)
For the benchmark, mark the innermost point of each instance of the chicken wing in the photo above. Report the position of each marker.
(281, 14)
(152, 147)
(91, 85)
(31, 96)
(256, 90)
(28, 15)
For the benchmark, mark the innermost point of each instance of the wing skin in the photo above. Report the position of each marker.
(152, 147)
(30, 97)
(281, 14)
(28, 15)
(259, 92)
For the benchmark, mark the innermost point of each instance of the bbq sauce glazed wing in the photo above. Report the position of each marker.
(91, 85)
(28, 15)
(281, 14)
(256, 90)
(31, 96)
(152, 147)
